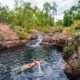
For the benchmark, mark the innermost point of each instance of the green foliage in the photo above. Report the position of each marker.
(21, 35)
(72, 15)
(59, 23)
(77, 24)
(46, 30)
(27, 16)
(70, 50)
(72, 29)
(47, 7)
(28, 31)
(68, 20)
(59, 28)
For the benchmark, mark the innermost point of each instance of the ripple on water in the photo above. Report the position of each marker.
(51, 69)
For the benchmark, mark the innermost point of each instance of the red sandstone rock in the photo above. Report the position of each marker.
(60, 39)
(68, 69)
(9, 38)
(73, 65)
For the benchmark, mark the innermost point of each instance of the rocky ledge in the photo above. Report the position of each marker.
(72, 67)
(58, 39)
(71, 51)
(10, 38)
(69, 43)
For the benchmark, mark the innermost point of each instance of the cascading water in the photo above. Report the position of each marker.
(39, 40)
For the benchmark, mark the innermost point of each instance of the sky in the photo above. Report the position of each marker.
(62, 5)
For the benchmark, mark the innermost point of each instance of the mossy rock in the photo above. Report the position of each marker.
(70, 50)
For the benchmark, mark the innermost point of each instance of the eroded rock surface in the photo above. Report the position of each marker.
(72, 67)
(8, 37)
(59, 39)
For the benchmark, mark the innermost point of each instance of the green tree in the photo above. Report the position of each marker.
(68, 19)
(46, 8)
(59, 23)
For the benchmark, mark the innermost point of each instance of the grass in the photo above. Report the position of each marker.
(21, 35)
(71, 49)
(71, 30)
(45, 30)
(28, 31)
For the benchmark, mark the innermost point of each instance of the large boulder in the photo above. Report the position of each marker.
(72, 67)
(33, 37)
(8, 37)
(7, 33)
(47, 38)
(13, 43)
(59, 39)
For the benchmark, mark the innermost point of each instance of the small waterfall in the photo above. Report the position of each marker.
(39, 40)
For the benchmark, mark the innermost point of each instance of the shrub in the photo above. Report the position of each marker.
(71, 49)
(21, 35)
(12, 26)
(45, 30)
(28, 31)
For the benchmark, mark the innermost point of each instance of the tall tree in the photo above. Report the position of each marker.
(46, 7)
(68, 20)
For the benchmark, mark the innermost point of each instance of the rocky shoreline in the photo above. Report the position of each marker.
(10, 38)
(70, 44)
(71, 52)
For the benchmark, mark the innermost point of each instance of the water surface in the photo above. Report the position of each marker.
(51, 69)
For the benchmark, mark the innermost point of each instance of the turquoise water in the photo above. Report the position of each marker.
(51, 69)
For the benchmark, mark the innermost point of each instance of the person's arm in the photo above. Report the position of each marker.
(27, 66)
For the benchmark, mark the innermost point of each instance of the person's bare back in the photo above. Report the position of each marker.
(27, 66)
(30, 65)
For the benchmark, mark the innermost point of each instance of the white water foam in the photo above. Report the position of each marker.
(40, 38)
(39, 67)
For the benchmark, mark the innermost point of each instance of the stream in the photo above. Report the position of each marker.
(51, 68)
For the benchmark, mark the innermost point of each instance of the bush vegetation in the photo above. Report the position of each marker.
(70, 50)
(21, 35)
(24, 17)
